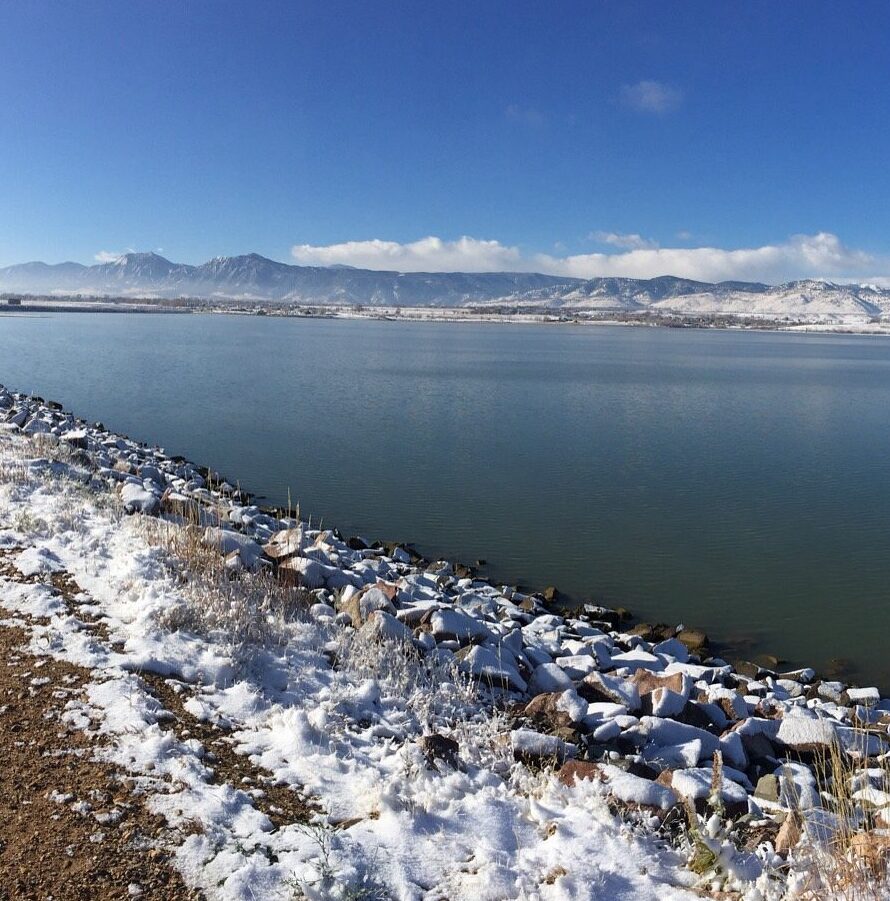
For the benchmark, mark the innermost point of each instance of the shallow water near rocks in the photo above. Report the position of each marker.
(734, 481)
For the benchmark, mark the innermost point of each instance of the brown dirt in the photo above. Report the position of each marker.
(70, 826)
(47, 850)
(281, 803)
(51, 845)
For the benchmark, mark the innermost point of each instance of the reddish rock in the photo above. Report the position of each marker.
(576, 770)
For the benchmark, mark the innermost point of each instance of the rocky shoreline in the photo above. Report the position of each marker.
(645, 709)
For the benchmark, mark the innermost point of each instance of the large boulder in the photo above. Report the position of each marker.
(285, 543)
(637, 791)
(601, 687)
(228, 542)
(450, 624)
(137, 500)
(490, 668)
(535, 747)
(383, 626)
(548, 677)
(359, 606)
(806, 733)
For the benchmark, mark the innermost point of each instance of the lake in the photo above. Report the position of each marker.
(734, 481)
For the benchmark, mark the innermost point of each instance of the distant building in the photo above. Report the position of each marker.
(14, 301)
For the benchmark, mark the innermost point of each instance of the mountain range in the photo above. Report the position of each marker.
(255, 278)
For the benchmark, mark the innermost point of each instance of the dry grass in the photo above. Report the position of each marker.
(845, 846)
(244, 609)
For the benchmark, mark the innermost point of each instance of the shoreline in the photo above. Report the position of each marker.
(551, 596)
(556, 601)
(651, 629)
(570, 317)
(651, 717)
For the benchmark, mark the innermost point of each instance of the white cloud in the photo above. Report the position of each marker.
(651, 97)
(109, 256)
(822, 255)
(426, 255)
(626, 242)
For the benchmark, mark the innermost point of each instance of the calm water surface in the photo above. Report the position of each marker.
(739, 482)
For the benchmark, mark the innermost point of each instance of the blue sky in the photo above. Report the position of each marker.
(704, 138)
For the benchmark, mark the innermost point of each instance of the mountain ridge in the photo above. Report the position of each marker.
(254, 277)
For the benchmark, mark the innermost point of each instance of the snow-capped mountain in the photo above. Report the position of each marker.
(254, 277)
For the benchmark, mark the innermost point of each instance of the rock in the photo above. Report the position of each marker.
(672, 647)
(767, 662)
(322, 611)
(635, 790)
(534, 747)
(544, 710)
(647, 681)
(37, 427)
(606, 732)
(694, 784)
(695, 714)
(662, 732)
(548, 677)
(637, 659)
(302, 572)
(805, 676)
(768, 788)
(806, 733)
(666, 702)
(153, 474)
(573, 771)
(449, 623)
(439, 747)
(677, 756)
(285, 543)
(76, 438)
(600, 687)
(576, 666)
(491, 669)
(400, 555)
(747, 668)
(868, 697)
(733, 749)
(645, 631)
(758, 747)
(694, 640)
(137, 500)
(225, 541)
(360, 605)
(383, 626)
(733, 705)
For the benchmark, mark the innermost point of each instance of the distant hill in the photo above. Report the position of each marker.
(254, 277)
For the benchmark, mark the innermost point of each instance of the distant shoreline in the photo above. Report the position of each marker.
(704, 321)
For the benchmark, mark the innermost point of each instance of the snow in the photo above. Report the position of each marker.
(867, 696)
(34, 560)
(549, 677)
(807, 731)
(468, 833)
(635, 790)
(695, 784)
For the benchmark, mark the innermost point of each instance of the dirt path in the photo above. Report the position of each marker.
(70, 827)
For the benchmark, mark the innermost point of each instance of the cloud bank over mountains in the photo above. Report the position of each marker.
(821, 255)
